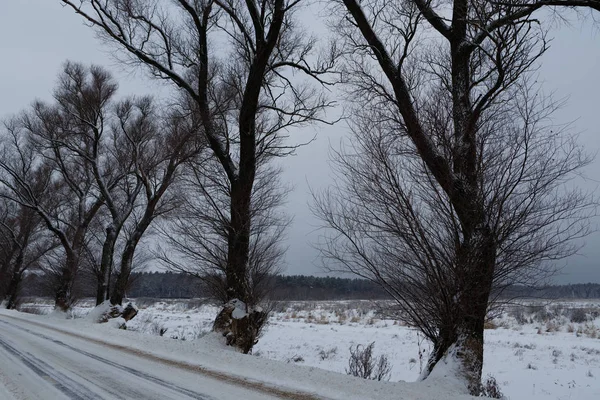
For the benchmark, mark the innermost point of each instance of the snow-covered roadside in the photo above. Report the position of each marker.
(206, 353)
(526, 365)
(538, 359)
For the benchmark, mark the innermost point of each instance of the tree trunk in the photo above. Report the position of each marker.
(238, 243)
(5, 271)
(3, 280)
(466, 335)
(130, 247)
(108, 251)
(12, 293)
(123, 277)
(241, 333)
(63, 296)
(127, 259)
(446, 338)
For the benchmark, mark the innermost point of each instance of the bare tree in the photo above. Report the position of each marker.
(453, 185)
(167, 143)
(24, 241)
(128, 149)
(85, 94)
(42, 172)
(197, 238)
(234, 61)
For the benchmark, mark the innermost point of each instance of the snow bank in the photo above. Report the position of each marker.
(96, 314)
(57, 313)
(528, 360)
(448, 371)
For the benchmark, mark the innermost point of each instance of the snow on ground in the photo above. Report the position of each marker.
(543, 356)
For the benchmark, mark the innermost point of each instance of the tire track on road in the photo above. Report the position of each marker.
(66, 385)
(132, 371)
(259, 387)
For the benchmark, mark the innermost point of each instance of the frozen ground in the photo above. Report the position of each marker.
(534, 351)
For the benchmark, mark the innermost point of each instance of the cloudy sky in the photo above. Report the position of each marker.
(37, 36)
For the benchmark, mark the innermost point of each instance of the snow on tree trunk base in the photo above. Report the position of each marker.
(461, 366)
(106, 312)
(240, 325)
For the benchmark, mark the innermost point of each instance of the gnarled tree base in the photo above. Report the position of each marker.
(239, 326)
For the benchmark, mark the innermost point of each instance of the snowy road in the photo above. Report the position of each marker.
(38, 363)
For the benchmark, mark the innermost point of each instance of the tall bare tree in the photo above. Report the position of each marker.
(452, 186)
(160, 147)
(234, 61)
(127, 148)
(86, 96)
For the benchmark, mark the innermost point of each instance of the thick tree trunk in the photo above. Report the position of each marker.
(127, 259)
(465, 335)
(238, 243)
(446, 338)
(123, 277)
(12, 293)
(106, 262)
(242, 332)
(63, 297)
(5, 271)
(3, 280)
(131, 245)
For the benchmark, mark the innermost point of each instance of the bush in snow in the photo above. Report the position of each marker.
(578, 315)
(157, 329)
(490, 388)
(326, 354)
(31, 309)
(363, 365)
(519, 315)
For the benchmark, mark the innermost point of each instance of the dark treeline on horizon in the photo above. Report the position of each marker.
(170, 285)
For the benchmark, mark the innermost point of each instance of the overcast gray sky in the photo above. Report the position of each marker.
(37, 36)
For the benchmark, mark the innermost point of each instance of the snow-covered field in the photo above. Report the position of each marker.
(534, 351)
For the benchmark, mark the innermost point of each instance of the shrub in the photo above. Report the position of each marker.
(326, 354)
(296, 359)
(552, 326)
(31, 309)
(490, 388)
(555, 355)
(363, 365)
(578, 315)
(542, 315)
(519, 315)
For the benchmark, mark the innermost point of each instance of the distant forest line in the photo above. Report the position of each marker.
(169, 285)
